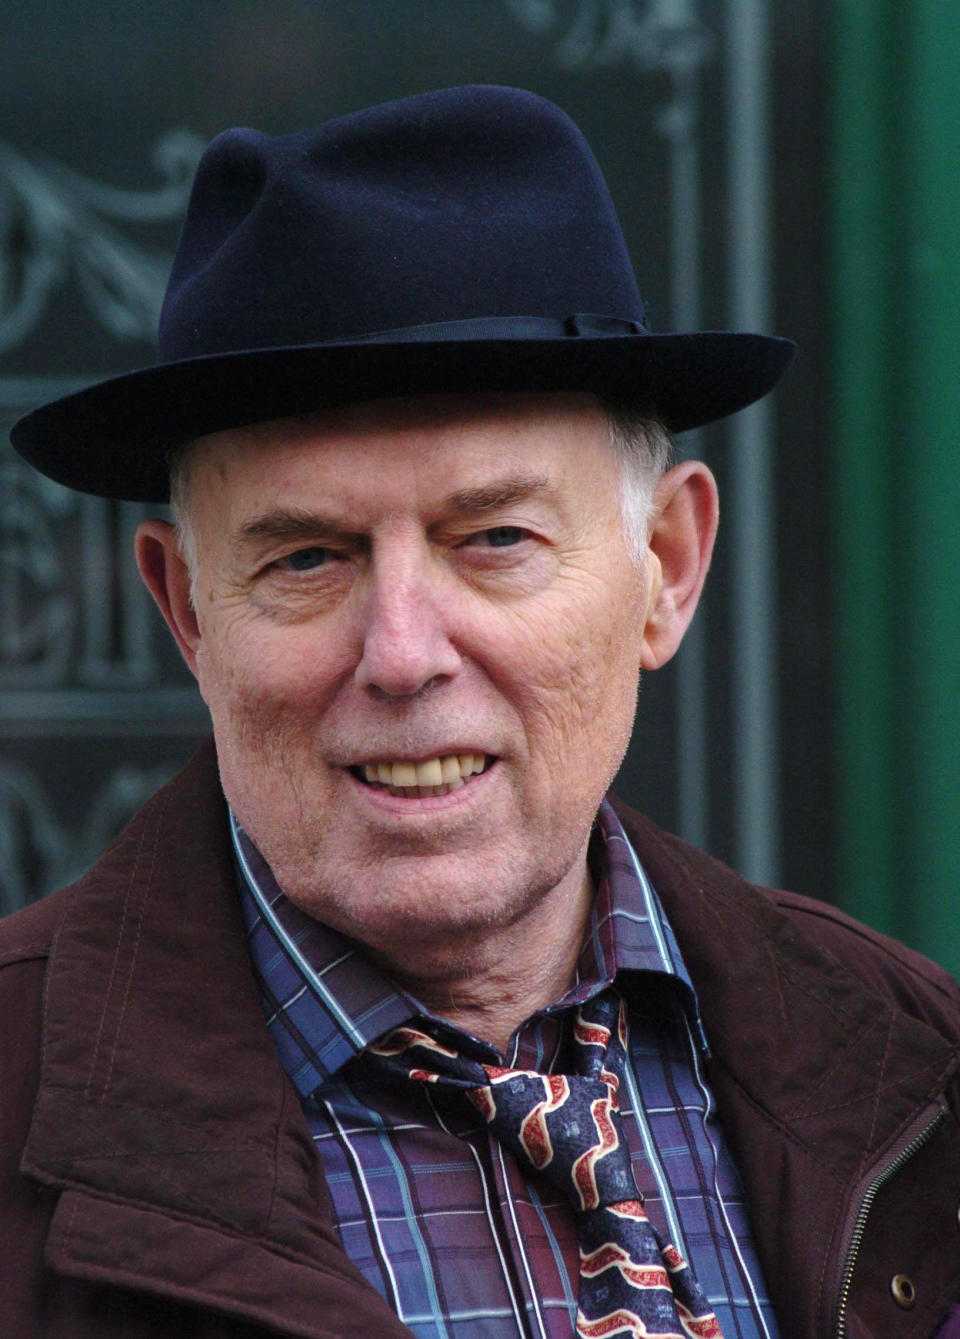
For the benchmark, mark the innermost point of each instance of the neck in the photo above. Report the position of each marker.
(492, 981)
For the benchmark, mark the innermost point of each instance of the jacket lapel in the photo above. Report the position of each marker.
(816, 1078)
(161, 1095)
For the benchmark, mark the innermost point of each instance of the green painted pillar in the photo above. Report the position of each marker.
(896, 346)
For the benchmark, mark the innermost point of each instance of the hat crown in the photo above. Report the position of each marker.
(470, 202)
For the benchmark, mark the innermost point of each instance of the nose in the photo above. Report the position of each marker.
(405, 633)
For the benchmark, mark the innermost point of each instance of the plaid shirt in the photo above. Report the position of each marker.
(429, 1206)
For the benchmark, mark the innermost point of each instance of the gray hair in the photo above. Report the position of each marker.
(643, 446)
(179, 460)
(645, 451)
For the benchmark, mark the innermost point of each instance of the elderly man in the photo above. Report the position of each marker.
(384, 1019)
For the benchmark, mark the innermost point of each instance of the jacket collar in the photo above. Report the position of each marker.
(819, 1072)
(770, 992)
(161, 1093)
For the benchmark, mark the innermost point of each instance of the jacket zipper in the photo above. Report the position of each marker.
(866, 1204)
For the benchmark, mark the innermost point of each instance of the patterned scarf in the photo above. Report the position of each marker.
(567, 1127)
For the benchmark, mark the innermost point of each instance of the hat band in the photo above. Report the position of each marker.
(503, 327)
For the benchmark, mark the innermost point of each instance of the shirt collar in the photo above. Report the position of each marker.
(325, 1000)
(629, 939)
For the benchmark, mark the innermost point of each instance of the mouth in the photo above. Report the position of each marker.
(415, 780)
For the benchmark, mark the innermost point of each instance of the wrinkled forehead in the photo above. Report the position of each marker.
(503, 427)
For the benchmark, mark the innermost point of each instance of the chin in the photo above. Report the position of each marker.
(403, 904)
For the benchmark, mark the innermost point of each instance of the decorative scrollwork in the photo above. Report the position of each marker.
(37, 613)
(56, 224)
(73, 613)
(658, 34)
(38, 852)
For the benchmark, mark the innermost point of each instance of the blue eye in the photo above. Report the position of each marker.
(304, 560)
(502, 536)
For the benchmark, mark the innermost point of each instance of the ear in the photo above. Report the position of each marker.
(683, 528)
(167, 578)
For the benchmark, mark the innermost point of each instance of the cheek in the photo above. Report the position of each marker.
(267, 696)
(575, 669)
(263, 678)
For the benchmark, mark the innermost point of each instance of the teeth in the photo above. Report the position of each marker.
(428, 773)
(404, 774)
(436, 776)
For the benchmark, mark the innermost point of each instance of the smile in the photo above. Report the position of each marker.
(434, 776)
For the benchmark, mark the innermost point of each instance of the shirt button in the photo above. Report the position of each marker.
(904, 1291)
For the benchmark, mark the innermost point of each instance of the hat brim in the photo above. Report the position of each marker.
(112, 439)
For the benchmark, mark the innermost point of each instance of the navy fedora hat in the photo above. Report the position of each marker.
(455, 242)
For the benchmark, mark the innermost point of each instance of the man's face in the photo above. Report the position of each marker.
(412, 592)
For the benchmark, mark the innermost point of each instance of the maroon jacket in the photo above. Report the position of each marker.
(158, 1178)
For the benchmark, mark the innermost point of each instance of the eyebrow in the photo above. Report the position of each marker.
(296, 523)
(289, 523)
(500, 493)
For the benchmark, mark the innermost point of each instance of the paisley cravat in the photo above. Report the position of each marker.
(567, 1127)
